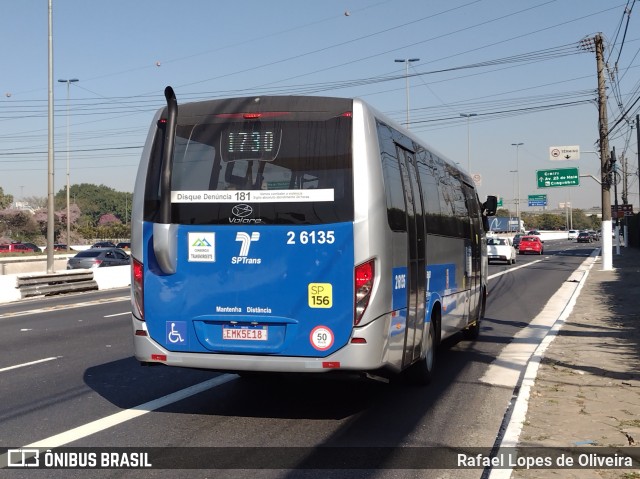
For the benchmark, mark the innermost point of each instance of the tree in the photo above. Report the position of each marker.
(19, 225)
(580, 220)
(89, 204)
(5, 200)
(548, 221)
(108, 219)
(96, 201)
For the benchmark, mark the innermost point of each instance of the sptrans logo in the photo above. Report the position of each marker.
(245, 244)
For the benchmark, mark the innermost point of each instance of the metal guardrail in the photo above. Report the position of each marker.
(55, 283)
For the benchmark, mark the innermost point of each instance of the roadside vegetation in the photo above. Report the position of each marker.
(97, 212)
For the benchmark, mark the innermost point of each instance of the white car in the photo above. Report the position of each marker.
(501, 249)
(573, 234)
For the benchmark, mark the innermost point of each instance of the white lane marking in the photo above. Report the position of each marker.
(116, 314)
(23, 365)
(513, 269)
(118, 418)
(66, 306)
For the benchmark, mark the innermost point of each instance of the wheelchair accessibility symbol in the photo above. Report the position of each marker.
(177, 332)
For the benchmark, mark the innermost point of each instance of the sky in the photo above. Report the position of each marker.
(519, 67)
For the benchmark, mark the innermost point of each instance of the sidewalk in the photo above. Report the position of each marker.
(587, 391)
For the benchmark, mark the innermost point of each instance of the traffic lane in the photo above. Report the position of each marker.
(276, 411)
(91, 351)
(517, 294)
(50, 328)
(60, 300)
(300, 411)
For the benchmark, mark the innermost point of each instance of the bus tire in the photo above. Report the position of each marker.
(473, 331)
(421, 372)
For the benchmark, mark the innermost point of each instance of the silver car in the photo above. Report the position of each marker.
(98, 258)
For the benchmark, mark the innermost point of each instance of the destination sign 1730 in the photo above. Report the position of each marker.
(558, 177)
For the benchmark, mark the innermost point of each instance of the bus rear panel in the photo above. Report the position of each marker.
(262, 214)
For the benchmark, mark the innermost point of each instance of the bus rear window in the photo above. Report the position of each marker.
(290, 169)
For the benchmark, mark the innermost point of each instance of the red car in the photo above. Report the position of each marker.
(530, 244)
(16, 248)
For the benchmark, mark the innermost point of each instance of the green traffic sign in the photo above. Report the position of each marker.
(537, 200)
(557, 177)
(500, 202)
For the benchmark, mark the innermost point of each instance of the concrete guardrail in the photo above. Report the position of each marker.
(14, 287)
(54, 283)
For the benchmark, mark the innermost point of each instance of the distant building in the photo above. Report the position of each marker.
(22, 206)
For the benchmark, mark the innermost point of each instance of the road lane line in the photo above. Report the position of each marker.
(116, 314)
(98, 425)
(493, 276)
(9, 368)
(65, 306)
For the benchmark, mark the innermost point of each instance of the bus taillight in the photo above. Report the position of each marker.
(137, 287)
(364, 284)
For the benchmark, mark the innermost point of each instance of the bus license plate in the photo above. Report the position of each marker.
(245, 334)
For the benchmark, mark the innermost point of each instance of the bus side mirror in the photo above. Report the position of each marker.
(490, 206)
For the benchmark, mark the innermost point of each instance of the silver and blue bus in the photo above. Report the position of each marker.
(301, 234)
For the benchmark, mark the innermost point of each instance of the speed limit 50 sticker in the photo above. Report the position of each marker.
(321, 338)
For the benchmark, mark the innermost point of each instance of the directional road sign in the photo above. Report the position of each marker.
(557, 177)
(537, 200)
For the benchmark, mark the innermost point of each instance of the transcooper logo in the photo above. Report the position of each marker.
(201, 242)
(245, 239)
(202, 247)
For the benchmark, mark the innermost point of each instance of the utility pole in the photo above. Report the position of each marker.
(638, 155)
(625, 183)
(625, 198)
(615, 197)
(605, 165)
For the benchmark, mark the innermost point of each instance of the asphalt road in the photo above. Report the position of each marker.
(68, 378)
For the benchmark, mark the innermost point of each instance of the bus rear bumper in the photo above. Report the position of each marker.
(368, 356)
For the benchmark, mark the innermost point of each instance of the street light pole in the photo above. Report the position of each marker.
(68, 82)
(467, 116)
(514, 199)
(406, 62)
(518, 145)
(50, 152)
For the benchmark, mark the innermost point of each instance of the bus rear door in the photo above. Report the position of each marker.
(416, 264)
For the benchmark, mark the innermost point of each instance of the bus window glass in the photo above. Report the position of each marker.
(213, 155)
(192, 164)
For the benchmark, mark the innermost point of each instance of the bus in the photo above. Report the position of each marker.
(301, 234)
